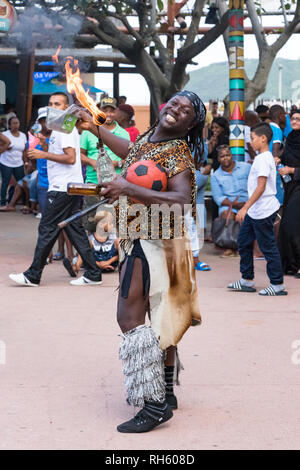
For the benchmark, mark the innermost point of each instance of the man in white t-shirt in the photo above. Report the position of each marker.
(63, 166)
(258, 216)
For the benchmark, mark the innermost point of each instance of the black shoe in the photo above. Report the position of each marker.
(67, 264)
(172, 401)
(142, 422)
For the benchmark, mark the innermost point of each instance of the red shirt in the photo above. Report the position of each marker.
(133, 133)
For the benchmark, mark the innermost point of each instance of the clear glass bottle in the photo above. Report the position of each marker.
(104, 167)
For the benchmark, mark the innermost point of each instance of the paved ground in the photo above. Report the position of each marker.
(61, 386)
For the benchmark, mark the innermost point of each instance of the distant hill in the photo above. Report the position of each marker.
(212, 82)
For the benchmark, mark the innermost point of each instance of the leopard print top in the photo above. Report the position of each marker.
(174, 156)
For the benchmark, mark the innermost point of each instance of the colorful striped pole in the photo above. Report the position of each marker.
(236, 79)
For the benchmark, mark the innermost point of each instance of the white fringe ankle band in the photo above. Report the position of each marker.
(142, 366)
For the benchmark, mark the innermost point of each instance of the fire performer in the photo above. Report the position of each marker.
(64, 165)
(156, 275)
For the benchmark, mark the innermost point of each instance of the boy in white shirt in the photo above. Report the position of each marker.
(63, 166)
(257, 218)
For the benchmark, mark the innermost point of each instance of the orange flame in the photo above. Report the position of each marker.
(74, 85)
(55, 57)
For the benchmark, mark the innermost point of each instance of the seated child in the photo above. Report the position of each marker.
(103, 243)
(27, 186)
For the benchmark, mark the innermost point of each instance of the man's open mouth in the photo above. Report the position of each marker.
(170, 119)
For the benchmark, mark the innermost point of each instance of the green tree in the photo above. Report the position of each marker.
(164, 74)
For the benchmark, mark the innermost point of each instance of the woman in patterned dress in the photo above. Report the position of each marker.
(156, 273)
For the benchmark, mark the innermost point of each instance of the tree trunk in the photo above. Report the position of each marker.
(257, 85)
(157, 82)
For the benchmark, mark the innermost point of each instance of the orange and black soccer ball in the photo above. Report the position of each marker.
(148, 174)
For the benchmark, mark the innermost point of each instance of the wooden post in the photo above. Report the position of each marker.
(25, 84)
(116, 81)
(236, 79)
(173, 10)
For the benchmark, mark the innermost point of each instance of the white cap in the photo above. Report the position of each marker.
(42, 112)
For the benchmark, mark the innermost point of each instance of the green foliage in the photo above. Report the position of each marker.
(160, 5)
(259, 8)
(287, 6)
(125, 7)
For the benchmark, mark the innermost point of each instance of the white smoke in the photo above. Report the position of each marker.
(45, 27)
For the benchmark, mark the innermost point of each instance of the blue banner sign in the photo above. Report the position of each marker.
(42, 77)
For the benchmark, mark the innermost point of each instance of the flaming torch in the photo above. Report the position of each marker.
(74, 85)
(104, 166)
(55, 56)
